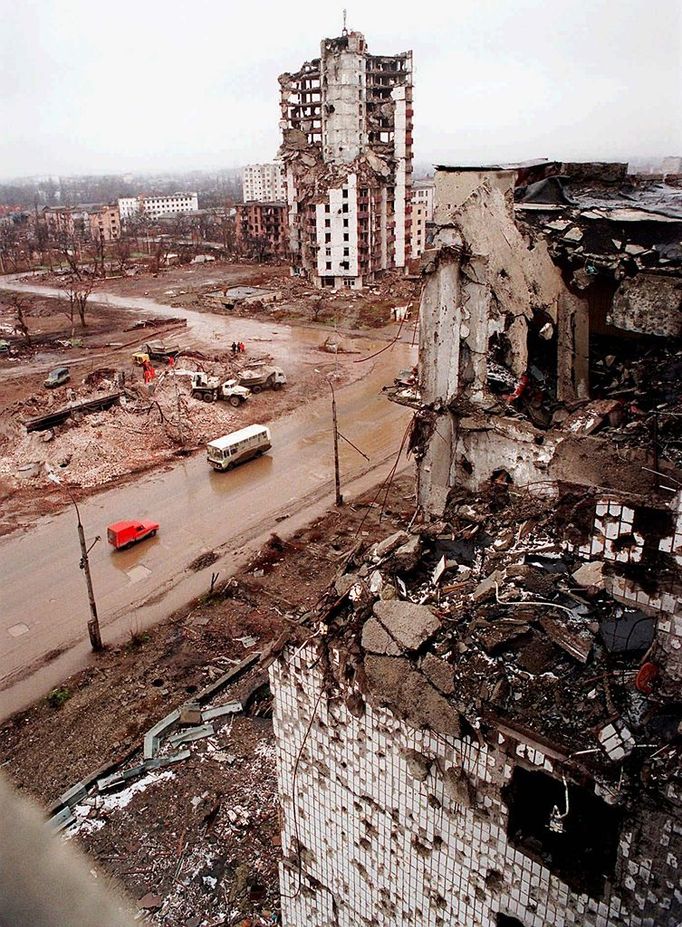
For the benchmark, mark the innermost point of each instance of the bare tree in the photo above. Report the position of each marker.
(159, 254)
(78, 288)
(9, 249)
(19, 305)
(99, 250)
(122, 254)
(258, 247)
(318, 308)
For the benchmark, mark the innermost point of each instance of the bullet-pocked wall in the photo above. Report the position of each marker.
(384, 824)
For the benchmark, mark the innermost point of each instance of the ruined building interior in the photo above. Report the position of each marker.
(346, 121)
(480, 725)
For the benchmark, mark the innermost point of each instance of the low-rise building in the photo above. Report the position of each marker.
(264, 183)
(158, 207)
(90, 221)
(261, 228)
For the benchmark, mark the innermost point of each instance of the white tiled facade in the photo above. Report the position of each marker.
(157, 207)
(264, 183)
(366, 843)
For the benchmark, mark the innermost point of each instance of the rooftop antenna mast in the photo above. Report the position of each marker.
(344, 31)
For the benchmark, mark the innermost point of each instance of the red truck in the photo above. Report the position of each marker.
(124, 533)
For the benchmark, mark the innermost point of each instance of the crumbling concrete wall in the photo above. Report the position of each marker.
(649, 303)
(342, 66)
(485, 282)
(385, 824)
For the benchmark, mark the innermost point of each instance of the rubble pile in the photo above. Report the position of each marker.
(492, 615)
(646, 386)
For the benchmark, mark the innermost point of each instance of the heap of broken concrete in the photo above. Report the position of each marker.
(495, 615)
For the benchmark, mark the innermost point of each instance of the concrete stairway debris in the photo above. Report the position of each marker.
(113, 776)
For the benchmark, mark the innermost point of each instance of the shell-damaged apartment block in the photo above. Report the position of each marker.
(346, 120)
(480, 725)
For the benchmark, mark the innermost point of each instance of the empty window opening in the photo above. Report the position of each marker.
(505, 920)
(581, 845)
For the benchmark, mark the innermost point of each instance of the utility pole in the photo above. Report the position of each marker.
(337, 475)
(93, 621)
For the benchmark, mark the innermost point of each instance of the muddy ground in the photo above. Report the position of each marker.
(198, 842)
(188, 285)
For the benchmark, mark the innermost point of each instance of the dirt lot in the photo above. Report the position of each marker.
(187, 286)
(199, 840)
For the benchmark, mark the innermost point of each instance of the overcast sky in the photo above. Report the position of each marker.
(154, 85)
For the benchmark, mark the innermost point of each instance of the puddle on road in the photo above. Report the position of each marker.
(16, 630)
(137, 573)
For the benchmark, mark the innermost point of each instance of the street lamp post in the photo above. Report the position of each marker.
(337, 474)
(93, 621)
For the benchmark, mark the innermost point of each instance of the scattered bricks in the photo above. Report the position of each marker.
(497, 637)
(376, 639)
(191, 734)
(409, 624)
(230, 708)
(486, 589)
(440, 673)
(190, 713)
(418, 765)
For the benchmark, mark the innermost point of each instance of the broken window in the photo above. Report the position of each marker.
(505, 920)
(569, 828)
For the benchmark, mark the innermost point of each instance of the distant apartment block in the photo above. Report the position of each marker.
(262, 227)
(346, 121)
(264, 183)
(84, 222)
(422, 213)
(158, 207)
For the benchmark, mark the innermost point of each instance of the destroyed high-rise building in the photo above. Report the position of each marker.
(480, 724)
(346, 120)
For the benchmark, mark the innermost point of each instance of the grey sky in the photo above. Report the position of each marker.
(154, 85)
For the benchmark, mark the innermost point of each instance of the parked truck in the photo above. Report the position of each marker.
(260, 378)
(210, 388)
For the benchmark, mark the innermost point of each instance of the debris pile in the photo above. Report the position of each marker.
(493, 614)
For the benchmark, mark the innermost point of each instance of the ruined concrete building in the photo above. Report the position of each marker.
(347, 149)
(261, 229)
(480, 726)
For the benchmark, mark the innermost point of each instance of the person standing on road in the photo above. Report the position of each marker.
(234, 347)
